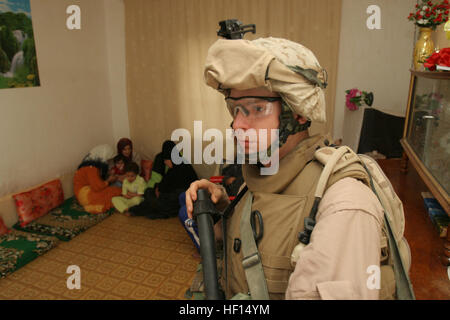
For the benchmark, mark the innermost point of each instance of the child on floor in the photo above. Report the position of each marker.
(133, 188)
(118, 169)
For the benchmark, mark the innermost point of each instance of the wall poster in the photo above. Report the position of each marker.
(18, 61)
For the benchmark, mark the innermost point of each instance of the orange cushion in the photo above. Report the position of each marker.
(39, 201)
(3, 228)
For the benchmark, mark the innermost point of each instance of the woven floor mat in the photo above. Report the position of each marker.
(119, 258)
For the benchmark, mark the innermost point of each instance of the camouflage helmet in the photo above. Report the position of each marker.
(280, 65)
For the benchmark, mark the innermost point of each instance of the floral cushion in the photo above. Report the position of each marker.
(39, 201)
(3, 228)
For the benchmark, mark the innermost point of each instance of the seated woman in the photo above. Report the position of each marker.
(167, 182)
(91, 184)
(161, 164)
(125, 148)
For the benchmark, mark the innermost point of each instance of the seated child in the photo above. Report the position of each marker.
(118, 169)
(133, 188)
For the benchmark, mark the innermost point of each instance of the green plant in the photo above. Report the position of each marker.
(8, 42)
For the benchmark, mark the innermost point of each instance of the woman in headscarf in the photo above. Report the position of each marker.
(91, 184)
(125, 148)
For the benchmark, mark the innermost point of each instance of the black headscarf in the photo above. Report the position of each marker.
(167, 147)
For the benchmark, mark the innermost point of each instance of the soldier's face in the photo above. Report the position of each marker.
(262, 125)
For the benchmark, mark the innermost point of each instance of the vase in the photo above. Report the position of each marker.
(424, 48)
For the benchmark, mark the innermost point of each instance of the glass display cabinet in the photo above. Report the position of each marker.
(426, 138)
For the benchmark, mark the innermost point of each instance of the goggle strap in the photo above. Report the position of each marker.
(270, 99)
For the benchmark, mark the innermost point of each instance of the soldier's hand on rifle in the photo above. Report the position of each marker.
(216, 191)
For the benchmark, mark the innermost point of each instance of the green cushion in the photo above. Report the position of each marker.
(18, 248)
(64, 222)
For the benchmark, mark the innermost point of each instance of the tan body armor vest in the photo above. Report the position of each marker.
(284, 201)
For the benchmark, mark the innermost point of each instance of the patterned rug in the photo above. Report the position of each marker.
(119, 258)
(19, 248)
(64, 222)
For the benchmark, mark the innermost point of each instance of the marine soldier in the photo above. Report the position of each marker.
(273, 83)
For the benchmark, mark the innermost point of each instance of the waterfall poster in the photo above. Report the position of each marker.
(18, 61)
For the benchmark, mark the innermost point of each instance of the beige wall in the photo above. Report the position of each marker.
(440, 39)
(115, 48)
(45, 131)
(167, 43)
(373, 60)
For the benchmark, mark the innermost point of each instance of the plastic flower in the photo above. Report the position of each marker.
(441, 57)
(429, 14)
(355, 98)
(350, 105)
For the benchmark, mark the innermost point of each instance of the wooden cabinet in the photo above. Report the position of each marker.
(426, 138)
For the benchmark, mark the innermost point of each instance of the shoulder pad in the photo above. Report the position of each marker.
(324, 154)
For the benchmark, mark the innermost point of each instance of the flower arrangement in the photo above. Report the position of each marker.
(430, 14)
(355, 98)
(439, 58)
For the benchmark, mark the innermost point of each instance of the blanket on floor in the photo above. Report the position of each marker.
(64, 222)
(18, 248)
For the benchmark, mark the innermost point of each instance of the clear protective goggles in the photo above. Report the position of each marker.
(251, 107)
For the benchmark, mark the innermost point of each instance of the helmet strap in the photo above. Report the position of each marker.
(288, 124)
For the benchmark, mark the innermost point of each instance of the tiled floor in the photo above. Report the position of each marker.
(428, 276)
(119, 258)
